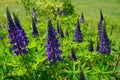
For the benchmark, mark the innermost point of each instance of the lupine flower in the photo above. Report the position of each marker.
(17, 35)
(35, 16)
(78, 34)
(82, 76)
(100, 24)
(91, 49)
(34, 28)
(82, 18)
(73, 55)
(104, 47)
(63, 13)
(52, 45)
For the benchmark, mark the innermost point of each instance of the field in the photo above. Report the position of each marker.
(79, 59)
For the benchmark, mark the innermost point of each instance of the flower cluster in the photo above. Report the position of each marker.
(78, 34)
(52, 45)
(104, 47)
(17, 35)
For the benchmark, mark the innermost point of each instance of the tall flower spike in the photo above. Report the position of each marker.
(73, 55)
(78, 34)
(34, 28)
(82, 18)
(100, 24)
(52, 45)
(17, 35)
(91, 49)
(104, 47)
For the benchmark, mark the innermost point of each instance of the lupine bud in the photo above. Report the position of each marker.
(100, 24)
(52, 45)
(78, 34)
(104, 47)
(17, 35)
(91, 49)
(82, 18)
(73, 55)
(82, 76)
(34, 28)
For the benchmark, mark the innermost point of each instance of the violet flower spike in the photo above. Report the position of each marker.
(78, 33)
(52, 45)
(17, 35)
(104, 47)
(100, 24)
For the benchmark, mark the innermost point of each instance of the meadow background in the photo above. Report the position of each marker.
(104, 67)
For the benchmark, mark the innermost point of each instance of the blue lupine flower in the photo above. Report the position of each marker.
(17, 35)
(82, 18)
(78, 34)
(82, 76)
(91, 49)
(104, 47)
(52, 45)
(100, 24)
(73, 55)
(34, 28)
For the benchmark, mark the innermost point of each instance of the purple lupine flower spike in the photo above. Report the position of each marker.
(73, 55)
(78, 33)
(91, 49)
(52, 45)
(100, 24)
(82, 18)
(17, 35)
(104, 47)
(34, 28)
